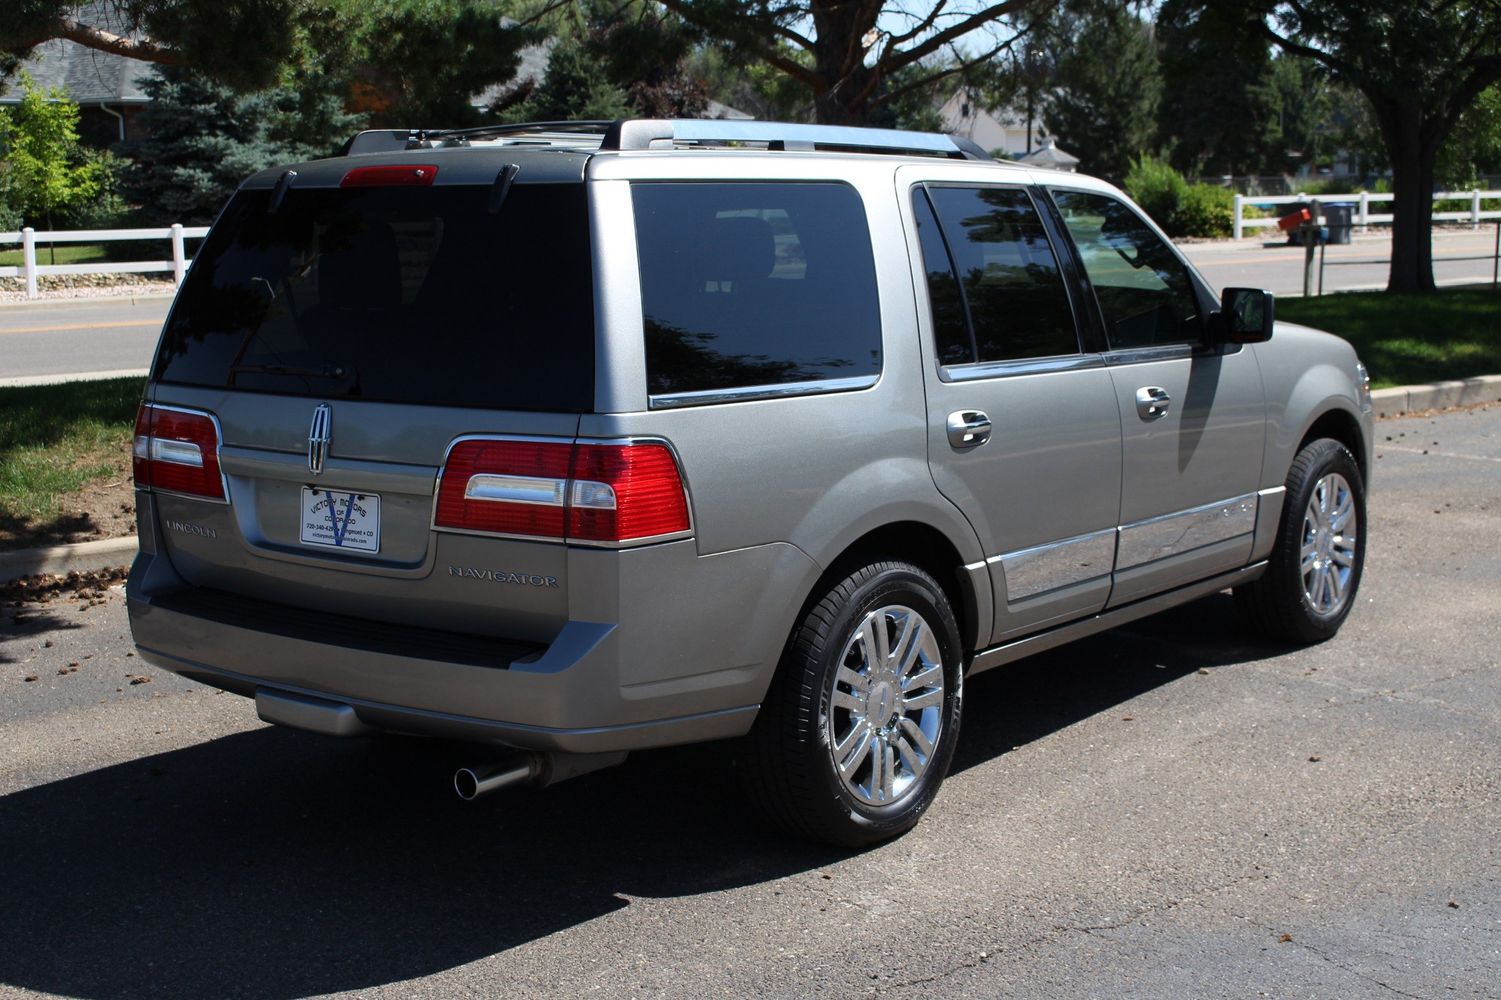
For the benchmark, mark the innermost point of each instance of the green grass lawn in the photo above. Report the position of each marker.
(67, 253)
(1411, 338)
(56, 439)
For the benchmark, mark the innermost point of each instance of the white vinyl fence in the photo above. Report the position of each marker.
(1362, 202)
(28, 238)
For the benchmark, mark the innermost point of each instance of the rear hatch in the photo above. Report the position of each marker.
(343, 336)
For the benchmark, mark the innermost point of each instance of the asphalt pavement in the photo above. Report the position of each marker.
(1174, 809)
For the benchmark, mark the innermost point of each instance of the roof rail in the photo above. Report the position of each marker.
(396, 140)
(642, 133)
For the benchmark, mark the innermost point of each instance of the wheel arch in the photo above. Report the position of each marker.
(1343, 426)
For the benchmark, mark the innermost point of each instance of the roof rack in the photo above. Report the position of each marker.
(657, 133)
(544, 133)
(644, 133)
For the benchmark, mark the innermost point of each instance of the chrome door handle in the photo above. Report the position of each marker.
(1152, 402)
(968, 428)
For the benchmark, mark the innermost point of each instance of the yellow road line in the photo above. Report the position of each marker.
(80, 326)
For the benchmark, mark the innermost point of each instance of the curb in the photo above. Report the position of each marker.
(111, 552)
(82, 557)
(1465, 392)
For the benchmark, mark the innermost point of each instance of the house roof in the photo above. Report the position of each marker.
(1049, 155)
(88, 75)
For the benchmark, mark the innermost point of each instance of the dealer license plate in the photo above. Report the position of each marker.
(340, 520)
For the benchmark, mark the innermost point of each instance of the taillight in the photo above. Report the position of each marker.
(594, 492)
(177, 451)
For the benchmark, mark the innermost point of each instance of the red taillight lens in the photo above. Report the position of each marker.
(625, 491)
(506, 487)
(415, 175)
(177, 451)
(586, 492)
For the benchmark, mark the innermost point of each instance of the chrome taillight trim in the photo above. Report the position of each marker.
(539, 491)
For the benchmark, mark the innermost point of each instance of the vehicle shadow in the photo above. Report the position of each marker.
(282, 864)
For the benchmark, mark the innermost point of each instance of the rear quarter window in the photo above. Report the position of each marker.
(748, 285)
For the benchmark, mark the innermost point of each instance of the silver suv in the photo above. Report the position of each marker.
(574, 439)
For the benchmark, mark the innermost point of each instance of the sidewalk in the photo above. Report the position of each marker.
(110, 553)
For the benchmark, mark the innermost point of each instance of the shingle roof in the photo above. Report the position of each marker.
(88, 75)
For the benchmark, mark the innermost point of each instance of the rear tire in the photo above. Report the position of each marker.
(858, 730)
(1314, 570)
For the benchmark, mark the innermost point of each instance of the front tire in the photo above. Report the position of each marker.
(1314, 570)
(858, 729)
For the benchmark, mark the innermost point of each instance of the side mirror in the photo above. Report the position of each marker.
(1246, 316)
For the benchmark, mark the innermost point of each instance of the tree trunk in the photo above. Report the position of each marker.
(1413, 152)
(840, 27)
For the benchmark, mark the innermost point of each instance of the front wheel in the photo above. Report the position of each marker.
(1314, 569)
(859, 726)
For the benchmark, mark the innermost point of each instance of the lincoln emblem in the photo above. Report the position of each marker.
(318, 437)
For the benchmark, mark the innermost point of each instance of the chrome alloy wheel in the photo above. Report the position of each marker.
(886, 706)
(1329, 541)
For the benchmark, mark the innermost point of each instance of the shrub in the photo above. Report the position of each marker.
(1157, 188)
(1205, 210)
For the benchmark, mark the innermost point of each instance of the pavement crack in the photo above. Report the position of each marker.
(1289, 939)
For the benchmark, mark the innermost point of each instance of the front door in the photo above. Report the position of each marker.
(1192, 416)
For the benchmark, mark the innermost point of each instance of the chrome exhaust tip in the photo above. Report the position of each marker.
(472, 782)
(529, 768)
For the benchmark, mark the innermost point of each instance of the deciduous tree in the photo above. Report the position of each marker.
(851, 49)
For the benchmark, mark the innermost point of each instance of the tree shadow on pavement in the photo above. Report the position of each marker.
(280, 864)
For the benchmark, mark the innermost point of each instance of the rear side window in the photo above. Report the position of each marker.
(995, 248)
(755, 285)
(409, 295)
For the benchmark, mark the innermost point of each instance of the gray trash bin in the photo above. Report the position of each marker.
(1339, 218)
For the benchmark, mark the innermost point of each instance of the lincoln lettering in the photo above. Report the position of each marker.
(501, 576)
(189, 528)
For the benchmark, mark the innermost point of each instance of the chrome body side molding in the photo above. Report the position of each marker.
(1009, 652)
(1044, 568)
(1173, 534)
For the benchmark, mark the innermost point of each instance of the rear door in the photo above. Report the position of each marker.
(1024, 434)
(1193, 416)
(343, 338)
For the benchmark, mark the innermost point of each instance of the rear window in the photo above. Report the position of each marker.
(409, 295)
(747, 285)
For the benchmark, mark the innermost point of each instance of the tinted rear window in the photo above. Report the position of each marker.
(410, 295)
(749, 284)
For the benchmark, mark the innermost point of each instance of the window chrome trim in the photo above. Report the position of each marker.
(1021, 366)
(706, 397)
(1155, 538)
(1156, 352)
(1055, 565)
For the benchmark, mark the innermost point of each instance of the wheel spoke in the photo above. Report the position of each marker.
(916, 763)
(923, 678)
(1336, 584)
(914, 732)
(887, 758)
(930, 697)
(909, 643)
(852, 750)
(873, 636)
(848, 702)
(1344, 556)
(851, 679)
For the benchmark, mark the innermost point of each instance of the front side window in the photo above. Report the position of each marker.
(1144, 291)
(746, 285)
(992, 264)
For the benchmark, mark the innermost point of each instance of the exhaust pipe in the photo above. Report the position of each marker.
(528, 768)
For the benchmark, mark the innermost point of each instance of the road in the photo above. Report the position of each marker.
(1169, 810)
(1359, 265)
(114, 334)
(110, 335)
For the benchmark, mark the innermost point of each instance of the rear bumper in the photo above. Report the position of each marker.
(675, 672)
